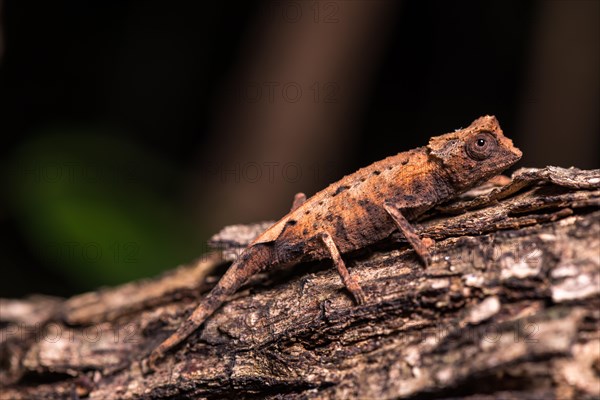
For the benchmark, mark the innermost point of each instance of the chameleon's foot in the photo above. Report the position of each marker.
(421, 246)
(356, 290)
(423, 251)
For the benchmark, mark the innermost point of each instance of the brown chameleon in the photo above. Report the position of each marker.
(363, 208)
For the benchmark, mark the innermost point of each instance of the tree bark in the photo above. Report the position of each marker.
(509, 309)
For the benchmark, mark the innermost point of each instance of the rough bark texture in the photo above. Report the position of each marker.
(508, 309)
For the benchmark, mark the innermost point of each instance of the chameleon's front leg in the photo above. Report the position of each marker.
(350, 281)
(409, 232)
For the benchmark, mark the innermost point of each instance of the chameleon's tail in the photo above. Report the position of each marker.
(251, 261)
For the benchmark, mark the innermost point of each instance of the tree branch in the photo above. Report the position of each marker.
(508, 308)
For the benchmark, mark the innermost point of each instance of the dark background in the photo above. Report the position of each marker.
(133, 130)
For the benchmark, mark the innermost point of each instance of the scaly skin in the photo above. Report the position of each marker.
(363, 208)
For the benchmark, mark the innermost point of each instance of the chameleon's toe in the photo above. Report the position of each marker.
(355, 289)
(359, 297)
(423, 250)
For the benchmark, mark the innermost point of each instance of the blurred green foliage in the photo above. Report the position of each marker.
(98, 208)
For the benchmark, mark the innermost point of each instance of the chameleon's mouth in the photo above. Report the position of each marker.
(517, 153)
(512, 156)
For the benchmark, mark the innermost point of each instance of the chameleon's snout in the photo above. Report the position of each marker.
(510, 153)
(516, 153)
(509, 157)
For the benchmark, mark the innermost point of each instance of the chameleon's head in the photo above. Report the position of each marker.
(475, 153)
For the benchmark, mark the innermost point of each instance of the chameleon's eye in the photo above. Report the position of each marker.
(481, 146)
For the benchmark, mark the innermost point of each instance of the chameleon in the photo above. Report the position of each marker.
(363, 208)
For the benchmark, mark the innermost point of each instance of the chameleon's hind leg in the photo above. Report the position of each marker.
(350, 281)
(409, 232)
(299, 199)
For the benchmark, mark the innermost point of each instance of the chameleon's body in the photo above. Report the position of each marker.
(364, 208)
